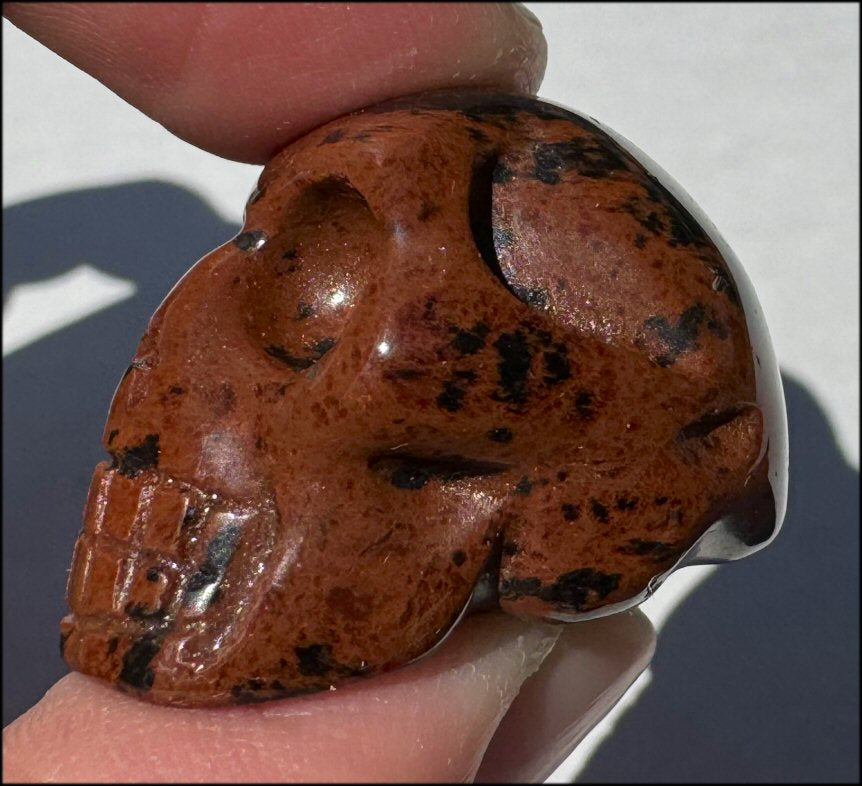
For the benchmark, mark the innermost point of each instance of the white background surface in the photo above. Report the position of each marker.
(753, 109)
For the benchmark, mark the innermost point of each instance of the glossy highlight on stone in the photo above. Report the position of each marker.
(469, 350)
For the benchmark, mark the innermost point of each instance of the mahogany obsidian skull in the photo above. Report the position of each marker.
(469, 350)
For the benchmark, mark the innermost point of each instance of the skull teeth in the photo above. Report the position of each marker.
(151, 546)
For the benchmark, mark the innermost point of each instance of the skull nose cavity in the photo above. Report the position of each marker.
(413, 472)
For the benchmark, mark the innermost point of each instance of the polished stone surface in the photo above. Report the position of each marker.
(462, 339)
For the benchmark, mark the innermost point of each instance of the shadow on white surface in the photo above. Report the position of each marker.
(755, 677)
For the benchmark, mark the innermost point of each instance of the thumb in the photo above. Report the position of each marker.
(430, 721)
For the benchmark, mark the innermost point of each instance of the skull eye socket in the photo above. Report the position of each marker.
(488, 236)
(302, 285)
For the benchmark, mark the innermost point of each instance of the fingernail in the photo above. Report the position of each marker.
(589, 669)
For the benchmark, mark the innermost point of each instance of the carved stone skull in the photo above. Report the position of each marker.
(469, 349)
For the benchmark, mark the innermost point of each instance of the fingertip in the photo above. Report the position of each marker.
(242, 80)
(589, 670)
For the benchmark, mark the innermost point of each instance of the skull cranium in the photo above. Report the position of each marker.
(467, 346)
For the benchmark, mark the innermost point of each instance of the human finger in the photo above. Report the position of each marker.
(430, 721)
(590, 668)
(242, 80)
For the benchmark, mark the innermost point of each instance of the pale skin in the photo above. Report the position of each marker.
(502, 699)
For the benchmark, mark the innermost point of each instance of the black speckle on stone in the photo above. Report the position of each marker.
(502, 174)
(510, 548)
(220, 549)
(139, 611)
(717, 327)
(514, 367)
(515, 587)
(674, 340)
(315, 660)
(428, 209)
(640, 210)
(650, 548)
(320, 348)
(707, 423)
(624, 503)
(524, 486)
(570, 591)
(469, 342)
(585, 405)
(557, 367)
(289, 254)
(562, 475)
(684, 229)
(459, 557)
(113, 435)
(333, 136)
(660, 500)
(136, 662)
(190, 517)
(203, 577)
(409, 477)
(304, 310)
(476, 134)
(250, 241)
(153, 574)
(300, 363)
(481, 106)
(113, 643)
(593, 158)
(570, 512)
(245, 694)
(599, 511)
(413, 472)
(501, 434)
(451, 397)
(535, 297)
(176, 390)
(134, 460)
(653, 223)
(465, 375)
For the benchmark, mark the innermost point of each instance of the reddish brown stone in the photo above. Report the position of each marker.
(464, 340)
